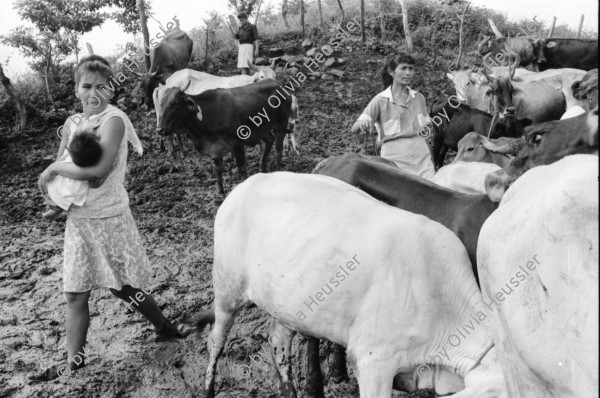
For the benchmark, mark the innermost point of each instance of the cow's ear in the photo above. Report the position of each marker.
(488, 95)
(525, 122)
(450, 76)
(551, 44)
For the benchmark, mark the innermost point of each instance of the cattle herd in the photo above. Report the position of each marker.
(480, 283)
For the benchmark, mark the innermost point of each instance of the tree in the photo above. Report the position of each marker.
(409, 42)
(145, 34)
(128, 15)
(284, 11)
(246, 6)
(257, 13)
(47, 49)
(343, 15)
(71, 17)
(302, 16)
(21, 111)
(362, 20)
(321, 15)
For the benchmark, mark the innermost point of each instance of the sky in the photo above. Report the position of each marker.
(106, 38)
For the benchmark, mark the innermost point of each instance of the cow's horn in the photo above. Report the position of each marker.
(481, 43)
(138, 74)
(186, 86)
(253, 67)
(514, 66)
(272, 66)
(511, 148)
(494, 28)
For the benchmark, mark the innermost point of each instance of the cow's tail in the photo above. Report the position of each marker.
(203, 319)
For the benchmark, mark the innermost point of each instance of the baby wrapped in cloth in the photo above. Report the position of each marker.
(84, 150)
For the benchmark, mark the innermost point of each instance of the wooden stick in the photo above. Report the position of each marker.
(321, 16)
(580, 26)
(460, 34)
(362, 20)
(257, 13)
(494, 28)
(381, 19)
(433, 45)
(551, 31)
(302, 17)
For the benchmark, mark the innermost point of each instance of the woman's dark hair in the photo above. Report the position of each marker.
(587, 84)
(93, 63)
(85, 150)
(391, 64)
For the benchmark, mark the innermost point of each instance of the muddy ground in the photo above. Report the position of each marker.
(172, 203)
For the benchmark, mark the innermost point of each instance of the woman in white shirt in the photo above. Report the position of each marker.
(400, 116)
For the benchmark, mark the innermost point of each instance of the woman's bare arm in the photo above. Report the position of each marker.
(111, 135)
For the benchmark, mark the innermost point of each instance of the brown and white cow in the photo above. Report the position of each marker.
(457, 120)
(392, 286)
(198, 82)
(221, 120)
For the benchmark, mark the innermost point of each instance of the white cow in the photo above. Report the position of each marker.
(465, 177)
(538, 258)
(326, 259)
(200, 82)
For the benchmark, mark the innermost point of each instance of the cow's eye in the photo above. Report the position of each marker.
(470, 149)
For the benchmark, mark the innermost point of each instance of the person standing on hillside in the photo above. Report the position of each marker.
(248, 43)
(401, 118)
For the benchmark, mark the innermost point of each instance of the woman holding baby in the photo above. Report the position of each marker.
(102, 245)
